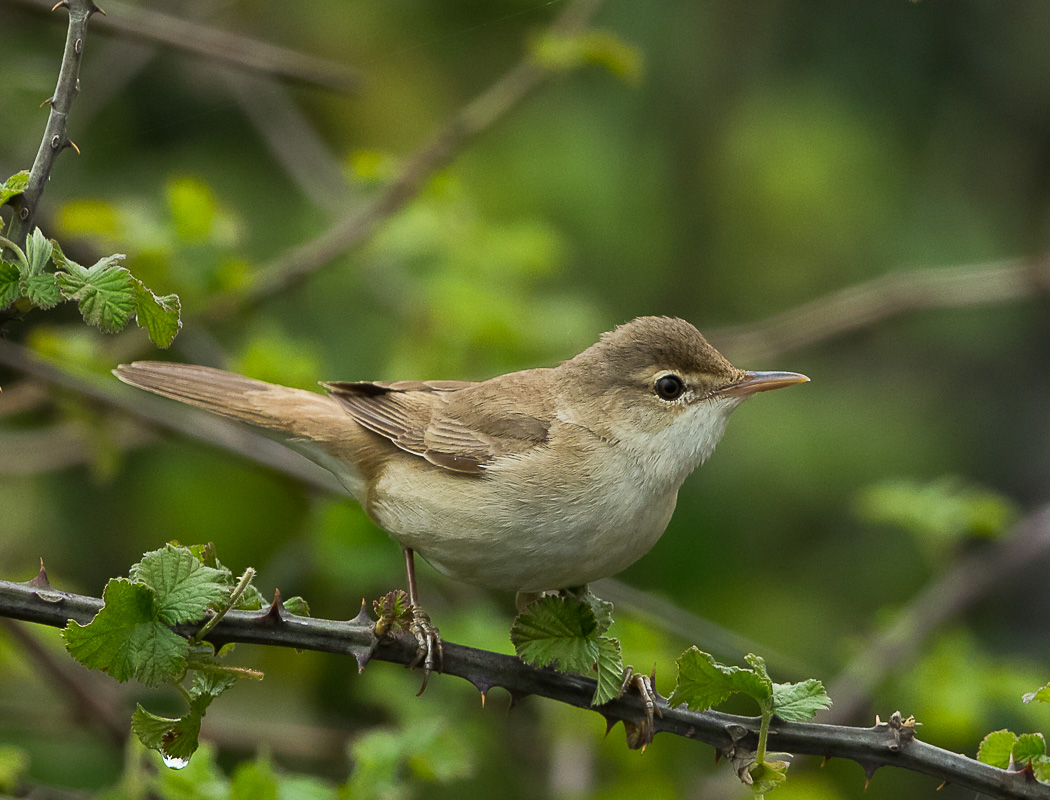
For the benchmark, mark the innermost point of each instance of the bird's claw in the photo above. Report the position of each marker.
(430, 651)
(640, 735)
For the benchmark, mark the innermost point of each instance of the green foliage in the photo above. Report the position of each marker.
(131, 637)
(568, 630)
(13, 186)
(106, 293)
(703, 683)
(14, 764)
(1007, 750)
(938, 513)
(1038, 696)
(600, 48)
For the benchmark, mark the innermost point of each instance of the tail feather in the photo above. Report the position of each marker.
(293, 411)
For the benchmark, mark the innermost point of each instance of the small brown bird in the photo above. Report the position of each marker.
(537, 480)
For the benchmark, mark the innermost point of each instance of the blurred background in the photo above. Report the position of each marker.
(856, 191)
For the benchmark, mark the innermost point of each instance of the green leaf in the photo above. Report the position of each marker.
(555, 630)
(610, 671)
(1028, 745)
(36, 283)
(298, 606)
(254, 780)
(560, 53)
(602, 609)
(184, 587)
(14, 186)
(160, 316)
(126, 640)
(795, 702)
(703, 682)
(996, 748)
(38, 252)
(9, 288)
(174, 738)
(193, 208)
(1039, 696)
(211, 682)
(1041, 768)
(104, 291)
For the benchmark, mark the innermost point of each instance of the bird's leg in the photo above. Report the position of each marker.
(642, 735)
(429, 649)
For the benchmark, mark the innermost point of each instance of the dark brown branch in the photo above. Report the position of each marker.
(243, 52)
(864, 305)
(56, 133)
(294, 265)
(871, 747)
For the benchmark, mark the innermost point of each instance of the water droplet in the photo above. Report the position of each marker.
(174, 761)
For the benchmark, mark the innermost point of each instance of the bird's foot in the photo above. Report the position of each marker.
(397, 613)
(639, 735)
(430, 651)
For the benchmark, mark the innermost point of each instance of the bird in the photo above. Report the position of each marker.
(534, 481)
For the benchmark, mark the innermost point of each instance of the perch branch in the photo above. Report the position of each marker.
(881, 745)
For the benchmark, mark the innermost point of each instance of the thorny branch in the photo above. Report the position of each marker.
(885, 744)
(56, 136)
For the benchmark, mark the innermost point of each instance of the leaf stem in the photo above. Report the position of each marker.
(235, 595)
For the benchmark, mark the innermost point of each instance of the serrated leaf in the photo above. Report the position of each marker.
(996, 748)
(38, 251)
(160, 316)
(41, 288)
(795, 702)
(703, 682)
(1041, 768)
(14, 186)
(9, 279)
(603, 611)
(184, 587)
(104, 292)
(211, 682)
(1038, 696)
(610, 671)
(555, 630)
(126, 640)
(1028, 745)
(173, 738)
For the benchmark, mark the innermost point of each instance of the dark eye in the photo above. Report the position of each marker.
(670, 387)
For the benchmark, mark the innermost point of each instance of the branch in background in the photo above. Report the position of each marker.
(970, 579)
(56, 133)
(293, 266)
(240, 51)
(866, 304)
(881, 745)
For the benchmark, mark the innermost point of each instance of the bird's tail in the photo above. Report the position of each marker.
(294, 412)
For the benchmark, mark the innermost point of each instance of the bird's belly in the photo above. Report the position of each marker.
(521, 530)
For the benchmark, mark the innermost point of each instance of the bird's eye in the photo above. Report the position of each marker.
(670, 387)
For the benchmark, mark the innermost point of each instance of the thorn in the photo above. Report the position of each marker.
(943, 784)
(718, 757)
(49, 102)
(869, 773)
(274, 616)
(610, 723)
(515, 698)
(95, 8)
(363, 617)
(71, 143)
(40, 581)
(362, 660)
(483, 696)
(824, 761)
(60, 4)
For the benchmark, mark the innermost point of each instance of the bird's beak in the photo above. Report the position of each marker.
(755, 382)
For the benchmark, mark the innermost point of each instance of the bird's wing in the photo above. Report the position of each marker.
(445, 422)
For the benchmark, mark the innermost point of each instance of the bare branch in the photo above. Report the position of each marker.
(291, 267)
(864, 305)
(874, 747)
(241, 51)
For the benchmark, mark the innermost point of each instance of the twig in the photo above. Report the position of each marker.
(240, 51)
(960, 587)
(881, 745)
(56, 137)
(299, 262)
(866, 304)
